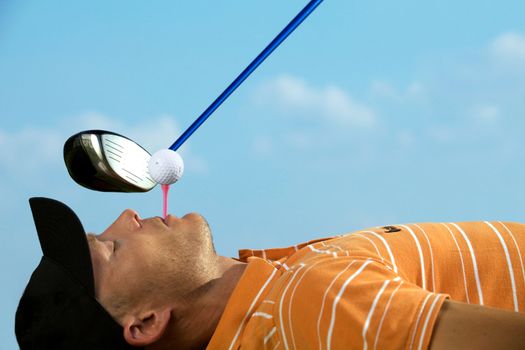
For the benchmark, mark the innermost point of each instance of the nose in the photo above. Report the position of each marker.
(127, 222)
(130, 218)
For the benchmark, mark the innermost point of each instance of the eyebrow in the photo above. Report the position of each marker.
(92, 239)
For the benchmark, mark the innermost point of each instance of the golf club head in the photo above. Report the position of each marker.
(105, 161)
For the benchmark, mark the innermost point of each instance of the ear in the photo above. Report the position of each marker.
(147, 328)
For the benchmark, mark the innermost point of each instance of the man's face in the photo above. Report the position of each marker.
(142, 260)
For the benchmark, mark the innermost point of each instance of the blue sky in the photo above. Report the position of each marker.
(371, 113)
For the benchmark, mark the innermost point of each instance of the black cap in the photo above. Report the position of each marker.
(58, 309)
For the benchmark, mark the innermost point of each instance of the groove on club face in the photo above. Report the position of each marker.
(105, 161)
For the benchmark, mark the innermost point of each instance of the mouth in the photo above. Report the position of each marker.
(168, 219)
(162, 220)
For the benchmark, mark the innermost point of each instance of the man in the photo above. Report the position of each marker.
(405, 286)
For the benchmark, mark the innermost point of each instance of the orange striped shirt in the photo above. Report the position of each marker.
(380, 288)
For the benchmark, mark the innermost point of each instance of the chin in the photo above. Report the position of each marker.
(193, 215)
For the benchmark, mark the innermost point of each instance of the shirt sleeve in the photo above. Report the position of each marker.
(349, 303)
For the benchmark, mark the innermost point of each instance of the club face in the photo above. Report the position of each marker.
(105, 161)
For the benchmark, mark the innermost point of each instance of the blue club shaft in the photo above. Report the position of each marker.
(246, 72)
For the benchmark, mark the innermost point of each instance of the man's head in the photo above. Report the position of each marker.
(145, 268)
(139, 270)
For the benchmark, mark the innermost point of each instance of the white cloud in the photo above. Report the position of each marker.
(453, 99)
(152, 134)
(262, 145)
(443, 135)
(25, 150)
(485, 114)
(31, 150)
(509, 47)
(93, 120)
(297, 97)
(406, 139)
(415, 91)
(299, 140)
(467, 94)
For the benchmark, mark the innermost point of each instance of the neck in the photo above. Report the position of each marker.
(203, 308)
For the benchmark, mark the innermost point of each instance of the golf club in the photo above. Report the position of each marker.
(96, 167)
(108, 162)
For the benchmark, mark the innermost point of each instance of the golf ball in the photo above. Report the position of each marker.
(166, 167)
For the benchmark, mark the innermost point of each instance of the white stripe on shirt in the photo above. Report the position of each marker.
(269, 335)
(417, 321)
(262, 314)
(336, 301)
(518, 249)
(291, 300)
(384, 314)
(368, 239)
(393, 261)
(324, 300)
(371, 312)
(431, 257)
(285, 342)
(474, 263)
(426, 322)
(315, 250)
(252, 305)
(462, 263)
(509, 265)
(421, 259)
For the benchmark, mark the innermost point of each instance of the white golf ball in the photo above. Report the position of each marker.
(166, 167)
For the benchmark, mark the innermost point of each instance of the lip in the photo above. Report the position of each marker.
(158, 218)
(169, 219)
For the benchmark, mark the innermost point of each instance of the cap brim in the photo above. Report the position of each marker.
(63, 239)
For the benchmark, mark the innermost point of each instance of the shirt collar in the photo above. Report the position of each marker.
(254, 284)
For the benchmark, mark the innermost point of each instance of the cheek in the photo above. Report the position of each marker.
(141, 261)
(129, 276)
